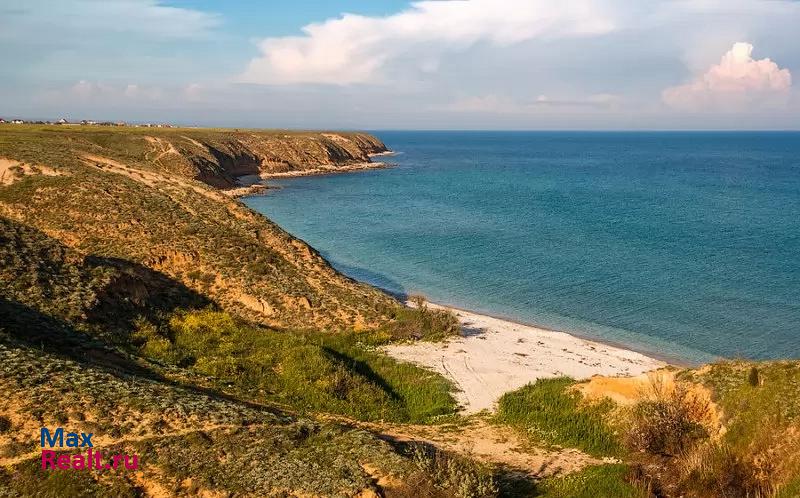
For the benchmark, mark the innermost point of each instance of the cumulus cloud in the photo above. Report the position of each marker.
(738, 82)
(355, 49)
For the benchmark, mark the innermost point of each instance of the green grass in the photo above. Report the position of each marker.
(773, 402)
(336, 373)
(591, 482)
(549, 413)
(421, 323)
(790, 490)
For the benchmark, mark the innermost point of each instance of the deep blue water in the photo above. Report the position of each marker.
(683, 244)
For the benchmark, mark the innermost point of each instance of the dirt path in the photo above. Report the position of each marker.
(489, 443)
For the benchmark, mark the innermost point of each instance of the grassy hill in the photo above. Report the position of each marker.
(106, 194)
(142, 303)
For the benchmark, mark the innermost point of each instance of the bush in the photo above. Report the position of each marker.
(753, 378)
(5, 424)
(422, 322)
(668, 423)
(461, 477)
(717, 469)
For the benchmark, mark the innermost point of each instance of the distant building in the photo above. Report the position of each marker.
(2, 120)
(62, 121)
(17, 121)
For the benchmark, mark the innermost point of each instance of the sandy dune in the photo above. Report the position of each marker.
(495, 356)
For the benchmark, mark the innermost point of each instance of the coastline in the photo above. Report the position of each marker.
(670, 360)
(253, 184)
(494, 356)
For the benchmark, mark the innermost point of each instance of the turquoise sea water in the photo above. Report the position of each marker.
(681, 244)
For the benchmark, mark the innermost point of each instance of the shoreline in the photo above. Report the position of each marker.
(670, 360)
(493, 356)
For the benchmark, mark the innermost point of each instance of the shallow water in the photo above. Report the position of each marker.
(682, 244)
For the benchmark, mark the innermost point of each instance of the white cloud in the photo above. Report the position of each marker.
(355, 49)
(738, 82)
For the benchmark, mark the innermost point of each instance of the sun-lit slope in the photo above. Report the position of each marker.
(215, 156)
(106, 196)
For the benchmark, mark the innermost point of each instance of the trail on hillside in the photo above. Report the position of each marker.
(493, 444)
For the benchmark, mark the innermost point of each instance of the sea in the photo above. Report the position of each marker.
(684, 245)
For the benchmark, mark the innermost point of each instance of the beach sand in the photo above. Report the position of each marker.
(494, 356)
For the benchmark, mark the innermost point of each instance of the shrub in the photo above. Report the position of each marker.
(717, 469)
(668, 423)
(753, 378)
(422, 322)
(5, 424)
(462, 477)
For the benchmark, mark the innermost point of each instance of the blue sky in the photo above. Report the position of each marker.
(382, 64)
(254, 18)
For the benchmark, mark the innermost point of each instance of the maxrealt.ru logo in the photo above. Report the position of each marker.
(91, 460)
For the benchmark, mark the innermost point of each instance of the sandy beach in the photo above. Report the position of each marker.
(494, 356)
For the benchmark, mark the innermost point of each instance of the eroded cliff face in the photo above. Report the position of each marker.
(218, 158)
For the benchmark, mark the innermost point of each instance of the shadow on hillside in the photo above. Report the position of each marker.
(137, 292)
(29, 328)
(364, 370)
(85, 309)
(56, 299)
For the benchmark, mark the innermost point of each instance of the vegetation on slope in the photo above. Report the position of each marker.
(730, 429)
(548, 412)
(188, 439)
(308, 372)
(215, 156)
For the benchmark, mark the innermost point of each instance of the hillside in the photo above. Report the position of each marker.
(110, 194)
(141, 303)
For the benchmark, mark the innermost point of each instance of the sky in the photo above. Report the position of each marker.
(392, 64)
